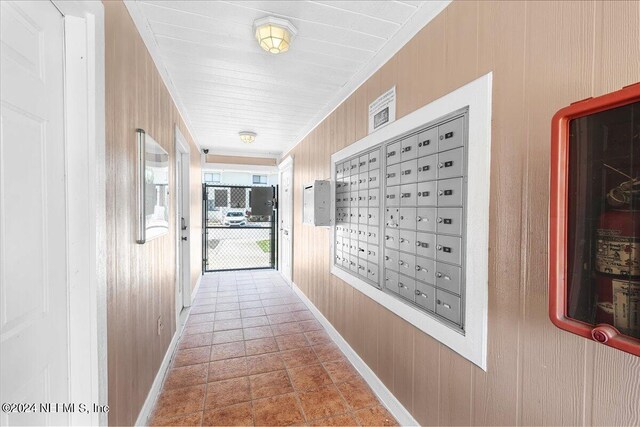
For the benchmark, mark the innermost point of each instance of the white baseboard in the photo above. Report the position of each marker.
(150, 401)
(195, 290)
(384, 394)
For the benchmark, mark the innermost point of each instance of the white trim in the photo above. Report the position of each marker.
(287, 163)
(475, 95)
(146, 33)
(195, 289)
(401, 414)
(422, 17)
(183, 153)
(152, 396)
(85, 185)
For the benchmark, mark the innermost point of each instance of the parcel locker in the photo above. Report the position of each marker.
(448, 306)
(449, 249)
(427, 167)
(426, 270)
(407, 264)
(393, 174)
(450, 163)
(448, 277)
(374, 178)
(407, 218)
(425, 296)
(428, 142)
(374, 160)
(407, 241)
(427, 193)
(393, 153)
(392, 217)
(426, 219)
(409, 148)
(450, 134)
(449, 221)
(373, 197)
(393, 196)
(450, 192)
(407, 287)
(408, 171)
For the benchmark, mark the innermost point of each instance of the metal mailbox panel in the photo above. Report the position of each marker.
(425, 245)
(363, 180)
(408, 171)
(450, 192)
(372, 272)
(427, 168)
(448, 306)
(391, 238)
(363, 198)
(426, 296)
(451, 163)
(393, 196)
(449, 249)
(393, 153)
(407, 241)
(372, 234)
(393, 174)
(391, 280)
(407, 287)
(450, 134)
(374, 216)
(374, 160)
(426, 270)
(428, 142)
(363, 216)
(391, 259)
(409, 148)
(426, 219)
(448, 277)
(363, 163)
(392, 217)
(449, 221)
(407, 264)
(373, 197)
(408, 194)
(372, 253)
(407, 218)
(374, 178)
(427, 193)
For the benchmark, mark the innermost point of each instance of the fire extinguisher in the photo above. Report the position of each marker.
(617, 259)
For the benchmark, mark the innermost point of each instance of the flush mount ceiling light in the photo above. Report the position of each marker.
(247, 137)
(274, 34)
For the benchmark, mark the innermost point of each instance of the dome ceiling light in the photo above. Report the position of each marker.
(247, 137)
(274, 34)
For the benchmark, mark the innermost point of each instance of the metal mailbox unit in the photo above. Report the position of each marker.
(411, 208)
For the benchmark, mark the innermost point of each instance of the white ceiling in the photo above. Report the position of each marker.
(224, 83)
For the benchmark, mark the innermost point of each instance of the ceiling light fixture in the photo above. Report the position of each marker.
(247, 137)
(274, 34)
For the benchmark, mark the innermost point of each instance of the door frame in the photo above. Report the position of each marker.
(84, 126)
(183, 153)
(287, 163)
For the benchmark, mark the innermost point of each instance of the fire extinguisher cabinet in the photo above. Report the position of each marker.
(594, 242)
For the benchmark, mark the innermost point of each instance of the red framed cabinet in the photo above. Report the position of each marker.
(594, 230)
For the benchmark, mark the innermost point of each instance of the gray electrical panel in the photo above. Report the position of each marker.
(400, 215)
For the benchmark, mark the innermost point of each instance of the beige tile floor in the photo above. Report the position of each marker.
(252, 354)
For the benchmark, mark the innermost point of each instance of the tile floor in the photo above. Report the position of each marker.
(252, 354)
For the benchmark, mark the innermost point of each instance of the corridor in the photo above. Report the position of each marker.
(252, 354)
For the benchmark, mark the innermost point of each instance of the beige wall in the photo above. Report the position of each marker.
(141, 278)
(240, 160)
(544, 55)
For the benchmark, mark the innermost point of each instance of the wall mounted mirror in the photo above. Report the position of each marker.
(152, 201)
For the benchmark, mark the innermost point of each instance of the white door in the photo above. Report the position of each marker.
(33, 251)
(286, 213)
(180, 242)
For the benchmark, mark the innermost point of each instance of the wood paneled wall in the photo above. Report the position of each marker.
(141, 278)
(544, 55)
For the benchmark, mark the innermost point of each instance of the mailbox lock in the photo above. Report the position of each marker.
(440, 192)
(418, 268)
(400, 262)
(419, 219)
(438, 274)
(439, 247)
(402, 285)
(440, 165)
(402, 240)
(439, 220)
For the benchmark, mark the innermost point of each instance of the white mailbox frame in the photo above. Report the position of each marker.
(475, 95)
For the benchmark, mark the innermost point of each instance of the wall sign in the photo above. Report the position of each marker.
(382, 111)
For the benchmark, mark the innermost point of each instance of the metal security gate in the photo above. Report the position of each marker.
(238, 227)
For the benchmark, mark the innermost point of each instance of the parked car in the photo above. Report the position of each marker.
(235, 219)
